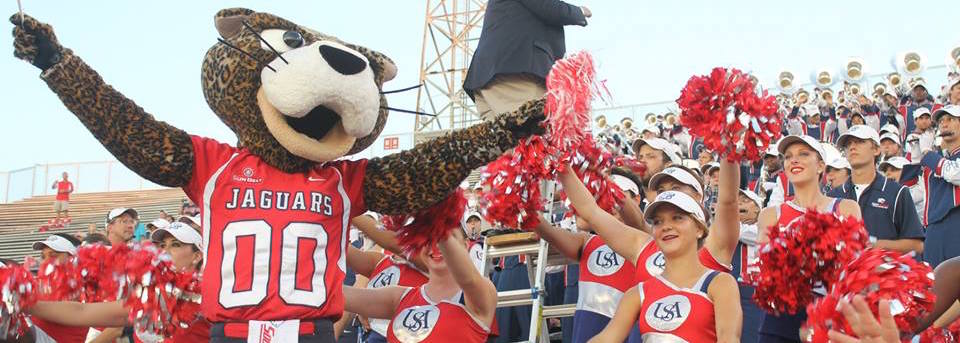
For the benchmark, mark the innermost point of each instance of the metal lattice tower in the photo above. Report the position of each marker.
(450, 35)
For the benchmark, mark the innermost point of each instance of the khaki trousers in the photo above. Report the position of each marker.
(506, 92)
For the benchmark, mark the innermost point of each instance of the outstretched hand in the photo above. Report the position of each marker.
(35, 42)
(865, 325)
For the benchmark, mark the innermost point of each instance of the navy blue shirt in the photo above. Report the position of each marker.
(887, 208)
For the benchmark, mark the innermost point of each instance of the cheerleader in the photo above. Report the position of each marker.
(604, 274)
(637, 246)
(803, 165)
(183, 244)
(680, 304)
(457, 304)
(383, 270)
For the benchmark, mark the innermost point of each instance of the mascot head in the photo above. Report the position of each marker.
(294, 96)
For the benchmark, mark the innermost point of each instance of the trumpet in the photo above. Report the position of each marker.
(785, 82)
(854, 70)
(650, 118)
(910, 63)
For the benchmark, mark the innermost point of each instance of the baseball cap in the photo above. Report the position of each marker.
(772, 151)
(652, 128)
(809, 110)
(953, 110)
(711, 166)
(753, 197)
(680, 175)
(181, 232)
(896, 162)
(192, 219)
(890, 128)
(891, 136)
(672, 151)
(920, 111)
(625, 183)
(858, 131)
(120, 211)
(692, 164)
(839, 163)
(679, 199)
(159, 223)
(918, 82)
(807, 140)
(57, 243)
(472, 214)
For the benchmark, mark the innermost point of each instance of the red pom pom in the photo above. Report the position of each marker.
(156, 293)
(18, 289)
(724, 109)
(59, 280)
(430, 225)
(513, 185)
(949, 334)
(815, 246)
(97, 272)
(589, 164)
(876, 274)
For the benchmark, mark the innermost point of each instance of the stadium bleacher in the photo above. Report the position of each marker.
(19, 221)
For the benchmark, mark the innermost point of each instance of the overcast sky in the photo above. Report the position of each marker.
(646, 50)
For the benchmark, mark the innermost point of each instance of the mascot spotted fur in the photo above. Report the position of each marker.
(277, 206)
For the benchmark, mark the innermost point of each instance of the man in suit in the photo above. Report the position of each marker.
(520, 41)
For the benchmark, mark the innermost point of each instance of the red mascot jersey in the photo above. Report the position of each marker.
(418, 319)
(672, 314)
(274, 242)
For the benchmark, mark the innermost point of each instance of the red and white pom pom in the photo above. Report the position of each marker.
(815, 246)
(589, 164)
(96, 271)
(724, 109)
(156, 293)
(59, 280)
(430, 225)
(876, 274)
(513, 185)
(571, 85)
(18, 291)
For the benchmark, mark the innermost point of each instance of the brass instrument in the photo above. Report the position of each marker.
(601, 122)
(854, 70)
(879, 89)
(785, 82)
(651, 118)
(626, 123)
(670, 119)
(953, 59)
(909, 63)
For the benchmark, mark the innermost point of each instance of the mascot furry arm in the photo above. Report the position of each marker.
(236, 84)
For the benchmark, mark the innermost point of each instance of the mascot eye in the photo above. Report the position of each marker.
(293, 39)
(282, 40)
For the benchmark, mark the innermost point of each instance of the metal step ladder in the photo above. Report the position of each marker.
(539, 257)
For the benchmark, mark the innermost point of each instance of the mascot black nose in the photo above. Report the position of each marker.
(342, 61)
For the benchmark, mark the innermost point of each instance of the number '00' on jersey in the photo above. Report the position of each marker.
(274, 241)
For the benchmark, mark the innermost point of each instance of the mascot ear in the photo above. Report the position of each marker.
(229, 22)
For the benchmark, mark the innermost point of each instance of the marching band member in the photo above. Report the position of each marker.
(939, 172)
(684, 301)
(803, 165)
(745, 256)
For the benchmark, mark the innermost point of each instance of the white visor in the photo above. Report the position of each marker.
(181, 232)
(679, 199)
(625, 183)
(56, 243)
(679, 174)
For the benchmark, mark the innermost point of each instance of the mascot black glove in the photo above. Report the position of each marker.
(35, 42)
